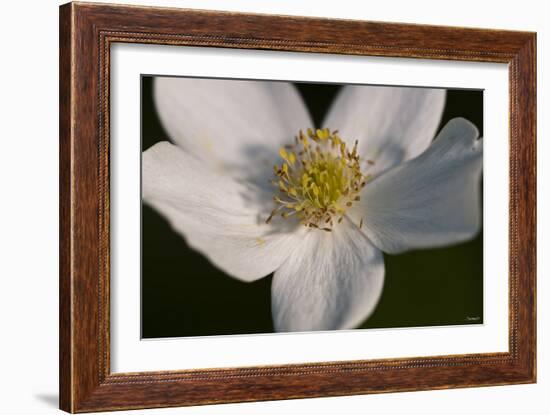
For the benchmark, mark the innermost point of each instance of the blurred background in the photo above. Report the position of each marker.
(184, 295)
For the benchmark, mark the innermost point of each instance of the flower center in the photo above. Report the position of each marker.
(318, 179)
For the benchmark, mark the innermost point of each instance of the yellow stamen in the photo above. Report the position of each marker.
(323, 184)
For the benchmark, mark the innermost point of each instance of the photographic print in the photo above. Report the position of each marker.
(274, 206)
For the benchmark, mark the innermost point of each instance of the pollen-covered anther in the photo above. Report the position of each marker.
(318, 180)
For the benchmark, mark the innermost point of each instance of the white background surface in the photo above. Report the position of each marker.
(129, 354)
(29, 229)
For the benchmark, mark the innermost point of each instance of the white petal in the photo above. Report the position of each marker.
(431, 201)
(218, 216)
(332, 281)
(392, 124)
(230, 123)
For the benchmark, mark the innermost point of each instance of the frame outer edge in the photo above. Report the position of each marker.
(83, 387)
(534, 213)
(527, 118)
(66, 120)
(523, 200)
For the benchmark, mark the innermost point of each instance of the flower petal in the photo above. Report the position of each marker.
(214, 214)
(392, 124)
(430, 201)
(230, 123)
(332, 281)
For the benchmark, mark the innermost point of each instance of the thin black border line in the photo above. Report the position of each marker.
(141, 76)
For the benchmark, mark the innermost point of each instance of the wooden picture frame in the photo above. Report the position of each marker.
(86, 33)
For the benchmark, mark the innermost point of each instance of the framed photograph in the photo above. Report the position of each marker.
(259, 207)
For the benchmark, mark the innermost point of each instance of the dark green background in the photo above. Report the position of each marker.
(184, 295)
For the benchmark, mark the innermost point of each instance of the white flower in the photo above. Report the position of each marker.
(395, 190)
